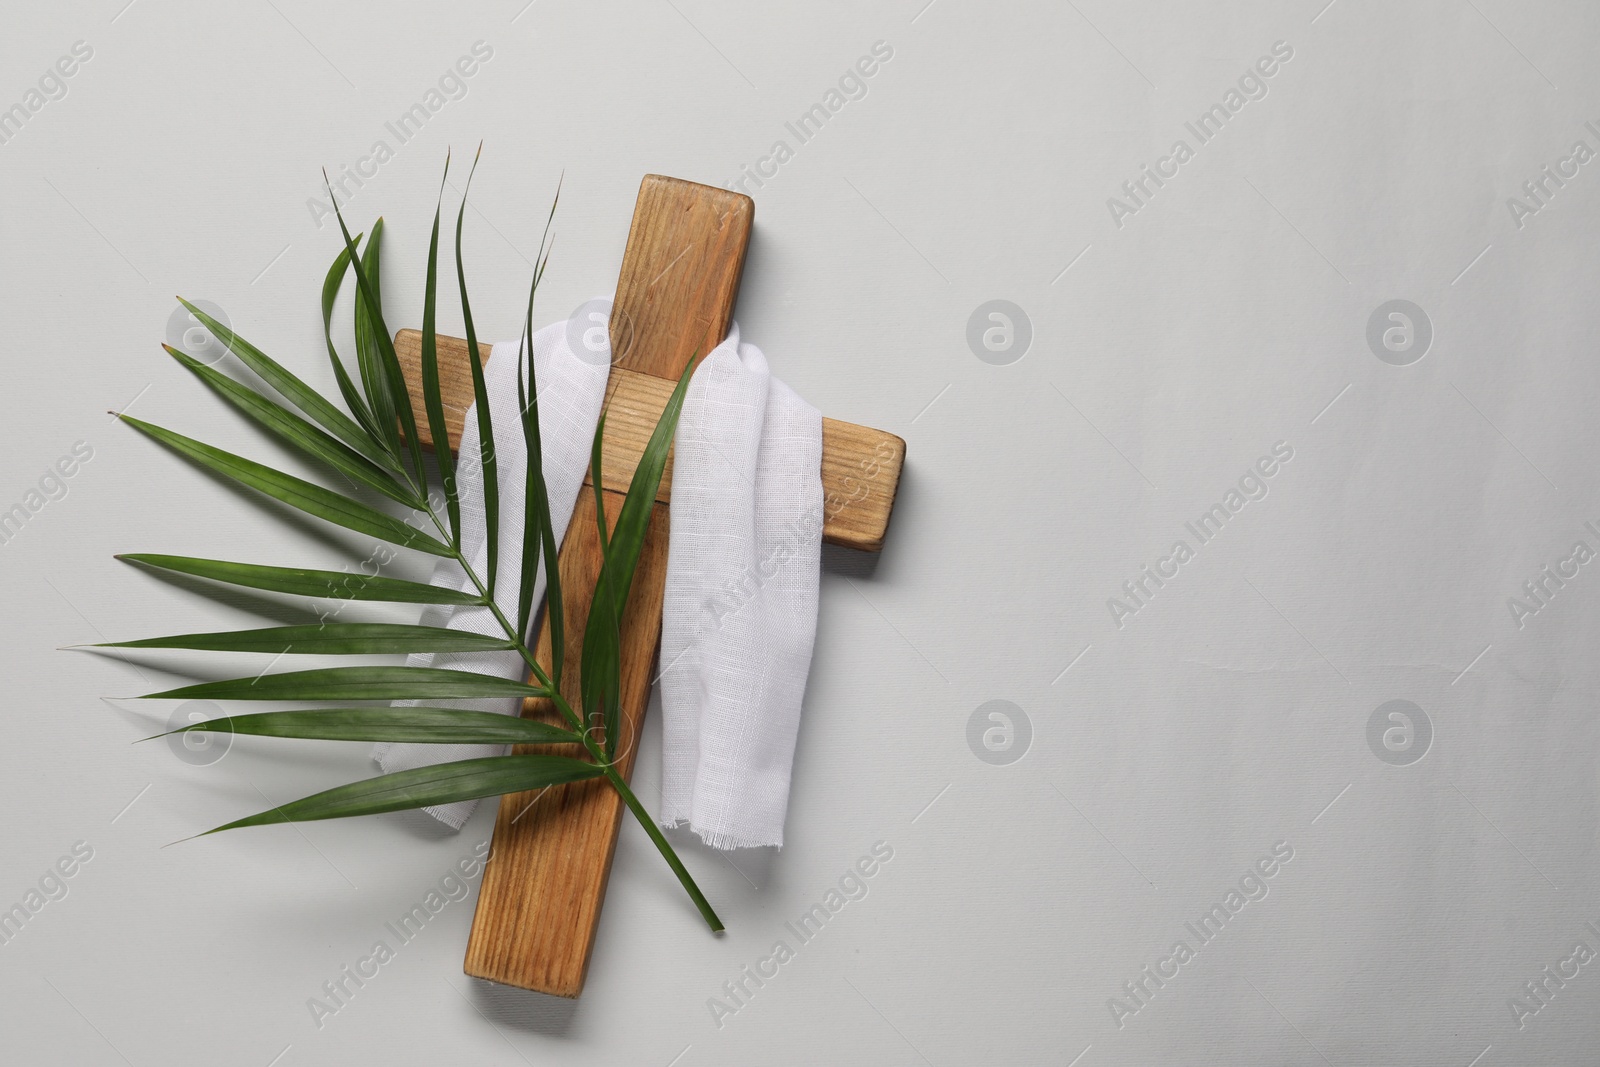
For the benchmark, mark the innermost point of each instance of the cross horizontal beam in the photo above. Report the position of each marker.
(860, 465)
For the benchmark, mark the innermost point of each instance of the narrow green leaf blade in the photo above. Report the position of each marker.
(539, 532)
(552, 563)
(432, 400)
(601, 680)
(374, 379)
(296, 431)
(627, 538)
(539, 510)
(596, 472)
(422, 787)
(533, 516)
(329, 639)
(388, 369)
(355, 683)
(601, 658)
(296, 492)
(292, 389)
(330, 292)
(480, 394)
(437, 726)
(330, 585)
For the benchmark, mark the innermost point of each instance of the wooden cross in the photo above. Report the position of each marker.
(539, 904)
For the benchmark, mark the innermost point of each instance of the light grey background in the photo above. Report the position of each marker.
(1167, 755)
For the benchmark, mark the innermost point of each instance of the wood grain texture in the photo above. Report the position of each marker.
(539, 904)
(680, 274)
(860, 465)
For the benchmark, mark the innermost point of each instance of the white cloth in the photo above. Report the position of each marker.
(740, 613)
(744, 560)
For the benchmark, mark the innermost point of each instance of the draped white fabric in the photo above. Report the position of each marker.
(740, 613)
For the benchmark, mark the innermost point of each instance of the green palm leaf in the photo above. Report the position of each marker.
(539, 536)
(596, 460)
(601, 640)
(330, 639)
(355, 683)
(365, 447)
(423, 787)
(437, 726)
(331, 585)
(387, 370)
(627, 538)
(296, 492)
(536, 512)
(291, 428)
(601, 680)
(293, 389)
(330, 292)
(480, 395)
(380, 399)
(431, 399)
